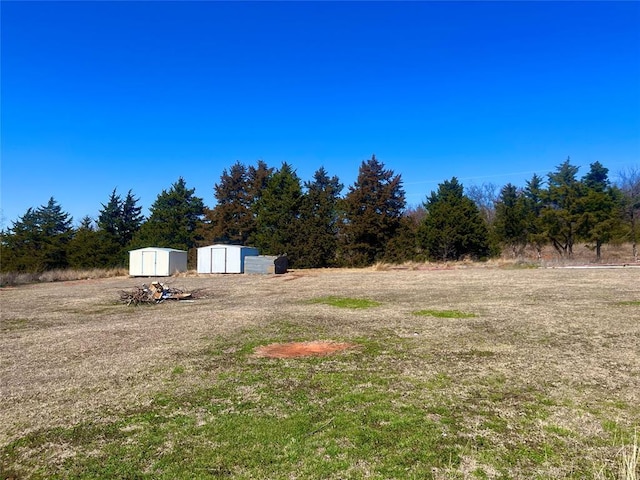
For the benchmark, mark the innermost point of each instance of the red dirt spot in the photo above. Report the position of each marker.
(300, 349)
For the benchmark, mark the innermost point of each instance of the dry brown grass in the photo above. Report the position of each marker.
(59, 275)
(69, 352)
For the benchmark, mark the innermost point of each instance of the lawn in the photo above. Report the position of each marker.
(487, 373)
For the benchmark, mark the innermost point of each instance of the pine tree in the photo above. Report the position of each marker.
(559, 215)
(118, 221)
(453, 226)
(258, 177)
(109, 215)
(534, 204)
(402, 247)
(277, 214)
(38, 241)
(318, 221)
(131, 219)
(108, 247)
(175, 216)
(371, 214)
(56, 230)
(599, 208)
(85, 248)
(597, 178)
(510, 223)
(231, 220)
(21, 245)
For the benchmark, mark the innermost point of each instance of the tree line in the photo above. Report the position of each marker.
(317, 225)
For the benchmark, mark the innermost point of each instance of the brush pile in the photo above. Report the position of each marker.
(155, 293)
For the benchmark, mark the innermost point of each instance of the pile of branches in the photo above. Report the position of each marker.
(154, 293)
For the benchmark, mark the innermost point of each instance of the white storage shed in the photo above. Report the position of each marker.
(156, 262)
(222, 258)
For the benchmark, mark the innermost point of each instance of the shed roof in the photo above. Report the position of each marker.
(161, 249)
(226, 245)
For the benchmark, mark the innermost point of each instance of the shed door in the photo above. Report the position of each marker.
(149, 263)
(219, 260)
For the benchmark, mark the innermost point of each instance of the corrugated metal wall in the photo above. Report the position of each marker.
(259, 264)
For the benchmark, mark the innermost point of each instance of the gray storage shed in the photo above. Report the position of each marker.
(156, 262)
(222, 258)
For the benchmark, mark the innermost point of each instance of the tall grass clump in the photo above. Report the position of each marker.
(10, 279)
(628, 457)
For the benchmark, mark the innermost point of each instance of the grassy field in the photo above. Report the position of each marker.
(488, 373)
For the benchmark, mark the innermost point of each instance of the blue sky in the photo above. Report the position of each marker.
(133, 95)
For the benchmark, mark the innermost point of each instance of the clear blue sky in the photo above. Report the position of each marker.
(99, 95)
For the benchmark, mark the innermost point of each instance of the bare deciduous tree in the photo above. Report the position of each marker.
(485, 197)
(629, 184)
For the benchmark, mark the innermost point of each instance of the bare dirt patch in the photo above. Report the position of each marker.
(300, 349)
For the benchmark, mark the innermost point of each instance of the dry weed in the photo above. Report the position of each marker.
(60, 275)
(630, 460)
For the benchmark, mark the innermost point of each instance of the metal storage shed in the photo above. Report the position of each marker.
(260, 264)
(223, 258)
(156, 262)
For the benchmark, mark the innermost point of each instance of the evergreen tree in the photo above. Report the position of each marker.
(258, 177)
(21, 245)
(277, 215)
(109, 215)
(86, 223)
(85, 248)
(174, 218)
(118, 221)
(403, 246)
(371, 214)
(597, 178)
(56, 230)
(533, 204)
(231, 220)
(38, 241)
(598, 210)
(108, 248)
(53, 220)
(560, 213)
(453, 226)
(318, 221)
(131, 219)
(510, 224)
